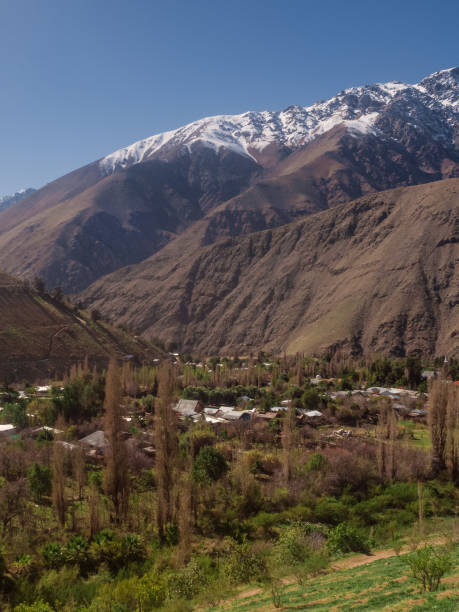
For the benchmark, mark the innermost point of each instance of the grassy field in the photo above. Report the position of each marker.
(417, 434)
(421, 434)
(385, 584)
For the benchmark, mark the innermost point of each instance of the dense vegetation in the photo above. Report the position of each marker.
(173, 513)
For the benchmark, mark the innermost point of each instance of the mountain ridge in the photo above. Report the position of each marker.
(291, 127)
(375, 275)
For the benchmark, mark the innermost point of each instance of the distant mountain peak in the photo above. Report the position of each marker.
(251, 132)
(8, 200)
(444, 86)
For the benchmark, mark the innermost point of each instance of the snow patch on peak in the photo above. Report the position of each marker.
(363, 125)
(135, 153)
(393, 87)
(251, 132)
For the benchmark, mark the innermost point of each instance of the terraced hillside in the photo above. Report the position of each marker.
(42, 337)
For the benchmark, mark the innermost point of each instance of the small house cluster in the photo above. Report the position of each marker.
(194, 410)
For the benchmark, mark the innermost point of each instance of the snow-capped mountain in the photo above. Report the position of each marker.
(8, 200)
(233, 175)
(430, 106)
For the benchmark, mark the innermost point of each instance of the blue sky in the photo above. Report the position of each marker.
(81, 78)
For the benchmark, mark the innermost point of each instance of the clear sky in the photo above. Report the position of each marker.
(81, 78)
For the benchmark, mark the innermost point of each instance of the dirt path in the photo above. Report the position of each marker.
(50, 347)
(357, 560)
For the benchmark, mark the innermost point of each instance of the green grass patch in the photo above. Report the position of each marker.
(385, 584)
(421, 434)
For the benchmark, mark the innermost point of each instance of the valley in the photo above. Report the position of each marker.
(229, 376)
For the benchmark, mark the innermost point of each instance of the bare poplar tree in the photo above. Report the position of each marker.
(165, 445)
(94, 510)
(288, 440)
(185, 513)
(129, 379)
(79, 469)
(58, 482)
(299, 369)
(437, 417)
(452, 433)
(386, 432)
(421, 507)
(116, 472)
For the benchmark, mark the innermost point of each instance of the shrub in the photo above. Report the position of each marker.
(57, 587)
(108, 551)
(344, 539)
(152, 592)
(317, 561)
(330, 510)
(132, 548)
(95, 479)
(244, 564)
(44, 436)
(209, 465)
(24, 566)
(276, 592)
(171, 534)
(116, 553)
(76, 552)
(292, 547)
(316, 463)
(53, 555)
(119, 596)
(38, 606)
(186, 583)
(263, 523)
(428, 567)
(301, 546)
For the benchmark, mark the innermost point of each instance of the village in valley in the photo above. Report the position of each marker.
(319, 413)
(179, 481)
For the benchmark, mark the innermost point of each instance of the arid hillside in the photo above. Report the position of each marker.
(376, 275)
(86, 224)
(41, 337)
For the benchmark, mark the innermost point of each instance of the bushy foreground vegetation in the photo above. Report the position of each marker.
(170, 514)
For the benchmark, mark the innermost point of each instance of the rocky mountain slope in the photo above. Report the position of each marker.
(41, 337)
(259, 170)
(8, 200)
(379, 274)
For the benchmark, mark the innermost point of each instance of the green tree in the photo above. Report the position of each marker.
(81, 398)
(311, 399)
(15, 414)
(210, 465)
(39, 480)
